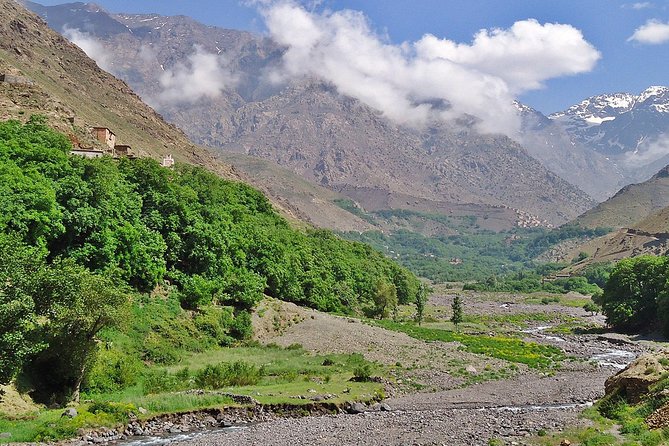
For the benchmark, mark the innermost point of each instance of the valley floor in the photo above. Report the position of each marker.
(510, 410)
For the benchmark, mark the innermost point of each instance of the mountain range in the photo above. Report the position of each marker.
(552, 171)
(313, 130)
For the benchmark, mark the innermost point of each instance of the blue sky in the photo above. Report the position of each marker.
(606, 24)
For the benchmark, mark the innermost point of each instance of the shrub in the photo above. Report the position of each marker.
(161, 381)
(118, 411)
(225, 374)
(112, 371)
(362, 373)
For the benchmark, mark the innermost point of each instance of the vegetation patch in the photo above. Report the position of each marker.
(509, 349)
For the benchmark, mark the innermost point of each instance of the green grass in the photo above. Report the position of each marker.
(566, 301)
(289, 376)
(500, 347)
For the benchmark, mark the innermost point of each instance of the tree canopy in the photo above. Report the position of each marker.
(79, 237)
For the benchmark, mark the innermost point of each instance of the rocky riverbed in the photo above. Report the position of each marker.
(510, 410)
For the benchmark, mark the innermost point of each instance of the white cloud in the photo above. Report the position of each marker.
(432, 78)
(639, 5)
(648, 152)
(92, 47)
(653, 32)
(203, 75)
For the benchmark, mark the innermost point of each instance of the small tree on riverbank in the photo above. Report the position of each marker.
(421, 300)
(456, 307)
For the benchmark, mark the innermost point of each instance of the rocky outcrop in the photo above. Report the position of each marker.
(635, 380)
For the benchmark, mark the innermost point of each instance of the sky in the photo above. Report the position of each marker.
(586, 47)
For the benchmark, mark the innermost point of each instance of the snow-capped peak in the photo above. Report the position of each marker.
(607, 107)
(653, 91)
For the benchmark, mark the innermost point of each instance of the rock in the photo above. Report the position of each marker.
(634, 380)
(615, 338)
(471, 369)
(70, 412)
(385, 407)
(142, 410)
(356, 408)
(5, 434)
(659, 419)
(565, 442)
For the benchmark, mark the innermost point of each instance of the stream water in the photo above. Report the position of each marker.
(159, 440)
(610, 357)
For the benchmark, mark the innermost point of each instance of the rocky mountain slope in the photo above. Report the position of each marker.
(311, 129)
(75, 95)
(640, 215)
(631, 204)
(549, 142)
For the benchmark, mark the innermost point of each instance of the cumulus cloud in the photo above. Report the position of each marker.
(92, 47)
(431, 79)
(204, 75)
(653, 32)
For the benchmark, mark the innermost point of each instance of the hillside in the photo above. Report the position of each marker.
(308, 127)
(631, 204)
(75, 94)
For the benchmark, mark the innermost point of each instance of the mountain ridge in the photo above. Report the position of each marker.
(249, 116)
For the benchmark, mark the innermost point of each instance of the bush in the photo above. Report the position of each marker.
(362, 373)
(225, 374)
(113, 370)
(162, 381)
(118, 411)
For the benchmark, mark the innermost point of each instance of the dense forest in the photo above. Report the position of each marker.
(173, 257)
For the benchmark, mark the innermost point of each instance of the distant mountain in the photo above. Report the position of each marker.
(630, 130)
(311, 129)
(549, 142)
(631, 204)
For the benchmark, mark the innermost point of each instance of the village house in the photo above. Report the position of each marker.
(106, 136)
(123, 150)
(87, 152)
(168, 161)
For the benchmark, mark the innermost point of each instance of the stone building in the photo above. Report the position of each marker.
(106, 136)
(87, 153)
(123, 150)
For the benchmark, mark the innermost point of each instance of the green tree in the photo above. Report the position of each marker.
(456, 308)
(421, 300)
(385, 300)
(77, 305)
(630, 297)
(19, 266)
(592, 308)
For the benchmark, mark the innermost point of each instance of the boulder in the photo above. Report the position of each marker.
(634, 380)
(356, 408)
(70, 412)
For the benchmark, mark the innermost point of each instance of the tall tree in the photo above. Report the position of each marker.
(421, 300)
(456, 308)
(78, 305)
(19, 266)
